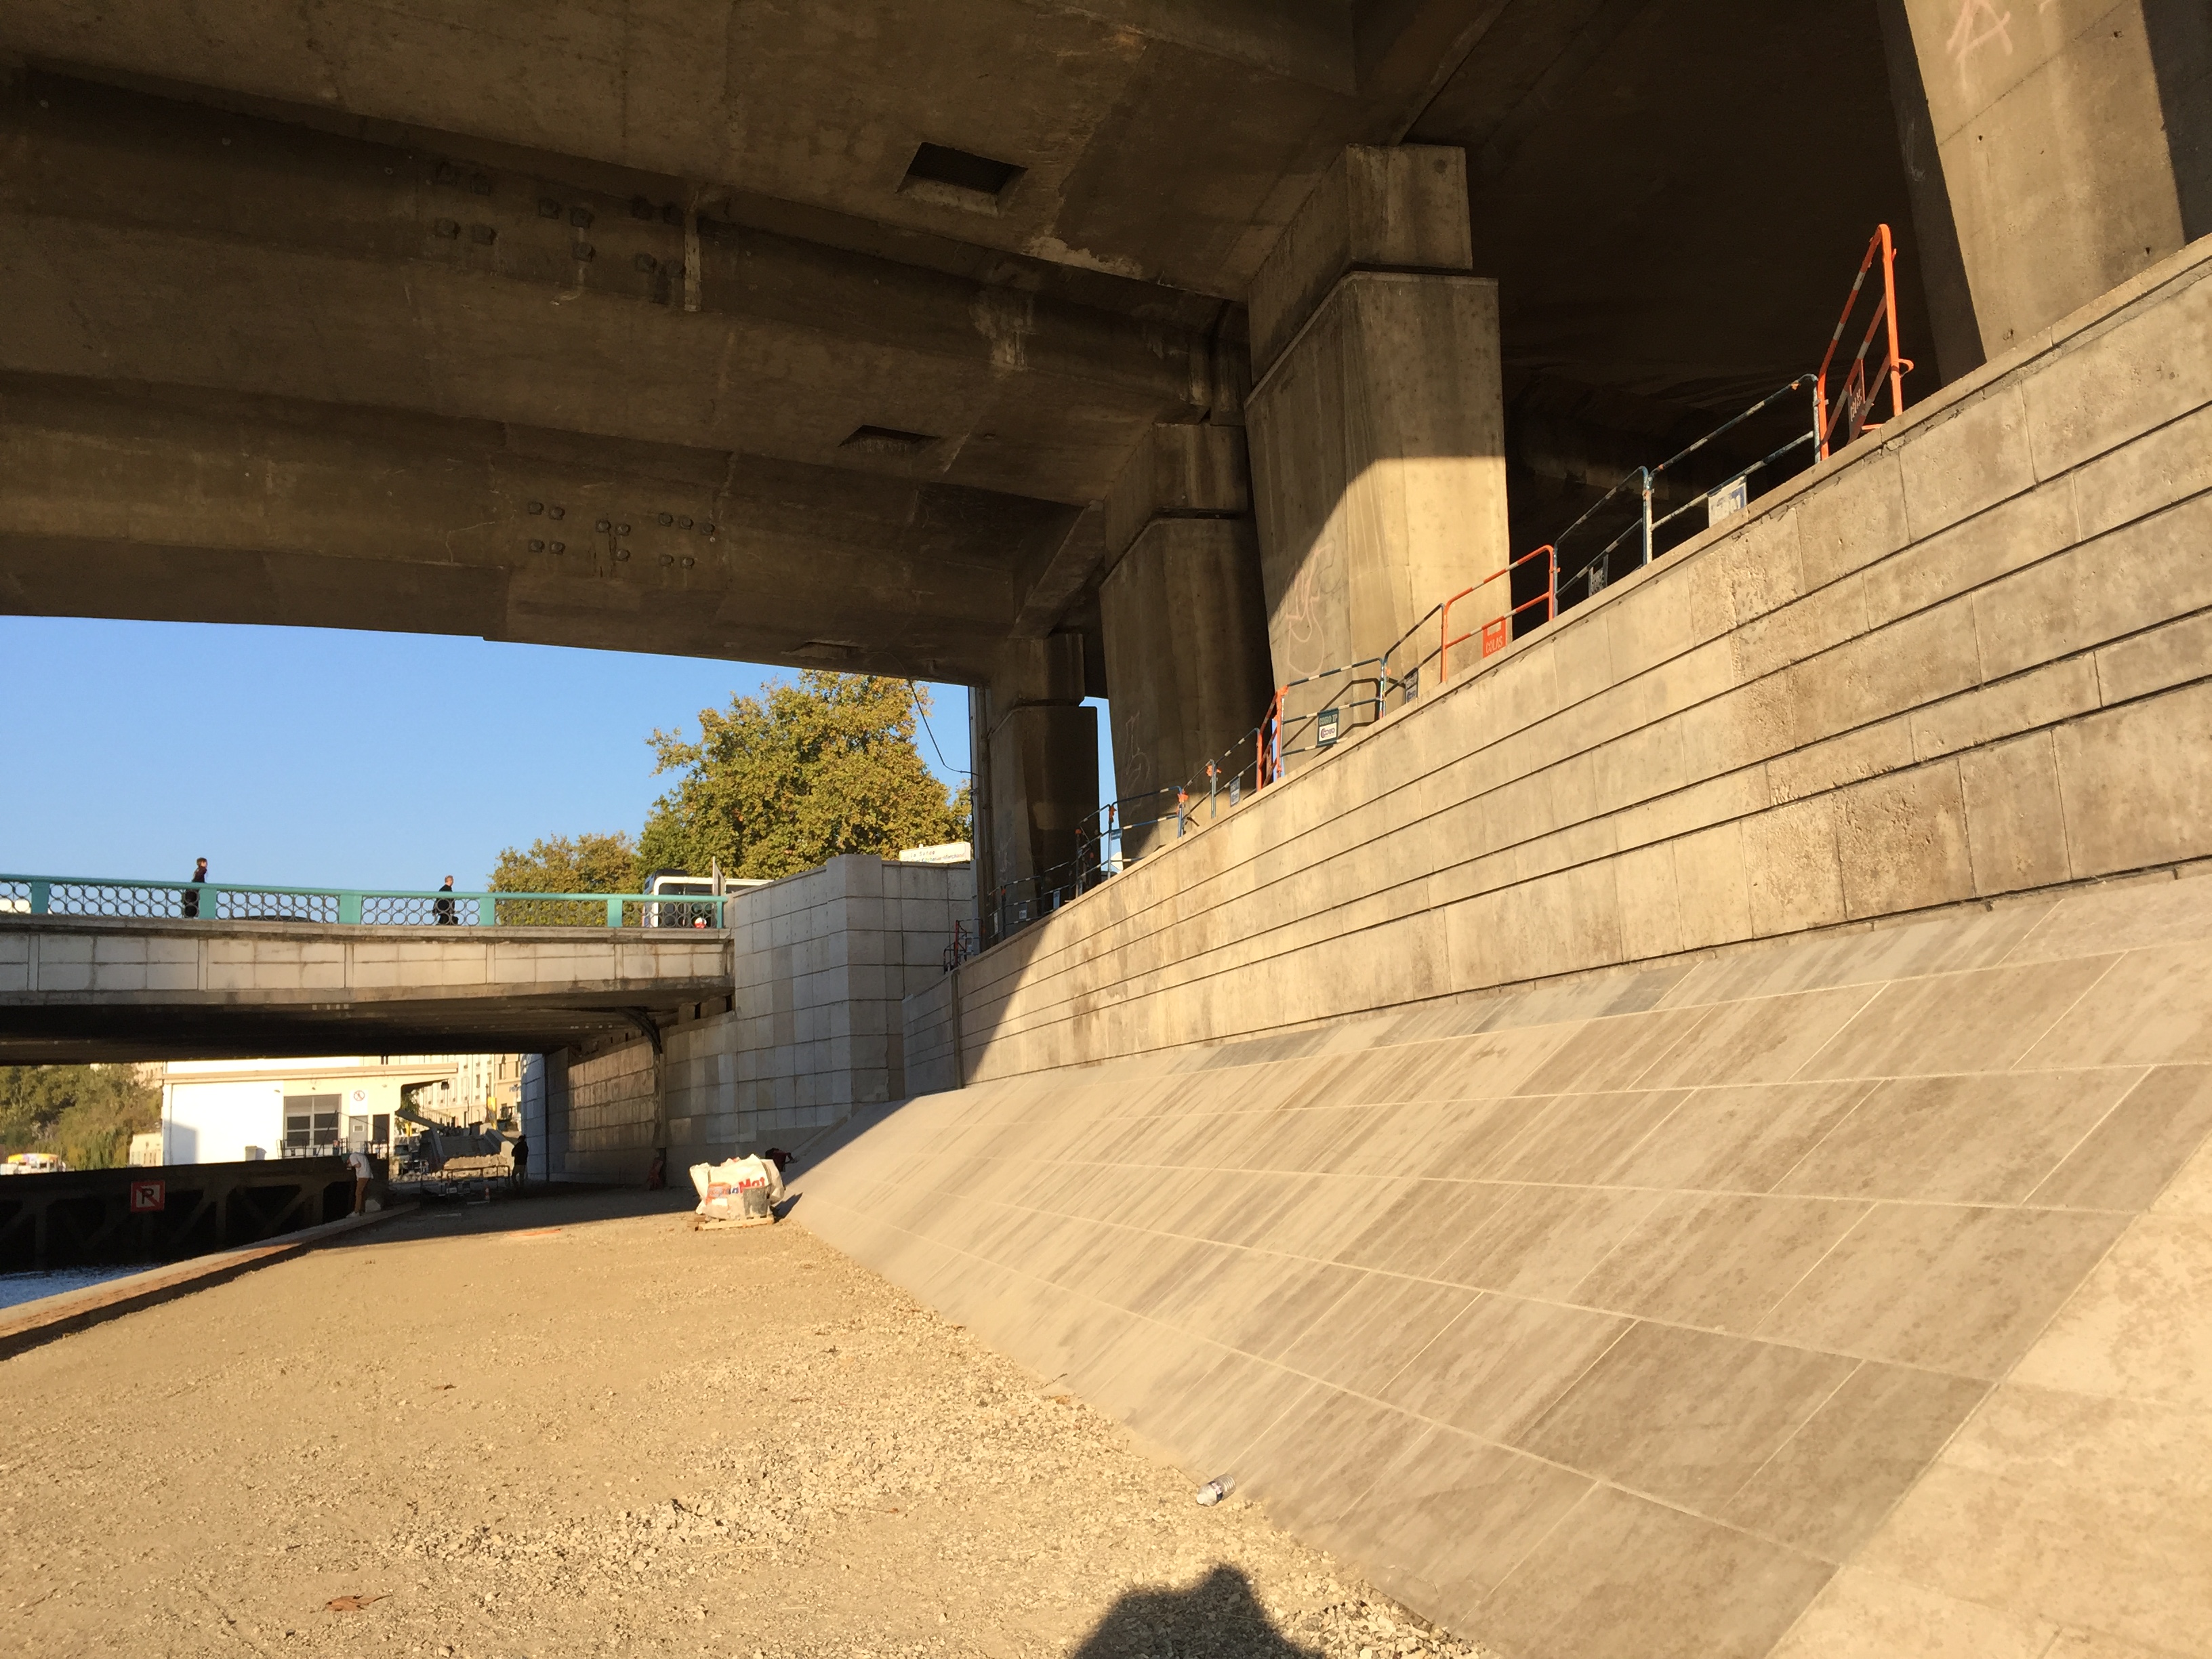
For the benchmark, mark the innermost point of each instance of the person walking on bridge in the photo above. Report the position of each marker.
(192, 898)
(443, 910)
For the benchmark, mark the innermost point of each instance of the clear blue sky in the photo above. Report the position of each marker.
(304, 756)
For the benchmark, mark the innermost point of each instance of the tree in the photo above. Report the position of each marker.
(84, 1114)
(589, 864)
(780, 784)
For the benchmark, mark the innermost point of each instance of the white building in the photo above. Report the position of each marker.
(219, 1111)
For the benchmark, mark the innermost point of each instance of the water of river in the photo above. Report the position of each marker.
(17, 1288)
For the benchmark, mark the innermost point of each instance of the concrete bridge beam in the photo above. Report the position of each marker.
(168, 504)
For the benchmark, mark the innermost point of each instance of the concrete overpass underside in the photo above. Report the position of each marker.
(74, 990)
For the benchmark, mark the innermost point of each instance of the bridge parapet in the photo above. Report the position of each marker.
(134, 899)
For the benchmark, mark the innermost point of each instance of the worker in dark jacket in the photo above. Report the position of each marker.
(192, 898)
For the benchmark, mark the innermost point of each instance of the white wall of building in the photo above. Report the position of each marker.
(213, 1111)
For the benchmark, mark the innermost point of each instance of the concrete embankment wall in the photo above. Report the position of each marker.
(1692, 1142)
(1840, 1297)
(1966, 659)
(813, 1026)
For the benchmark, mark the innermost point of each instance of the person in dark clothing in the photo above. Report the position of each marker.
(192, 898)
(520, 1153)
(444, 908)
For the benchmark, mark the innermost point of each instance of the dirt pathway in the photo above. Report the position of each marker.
(572, 1427)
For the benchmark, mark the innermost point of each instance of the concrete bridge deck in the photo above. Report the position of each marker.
(74, 989)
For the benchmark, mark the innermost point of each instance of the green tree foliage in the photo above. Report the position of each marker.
(85, 1113)
(589, 864)
(778, 784)
(555, 864)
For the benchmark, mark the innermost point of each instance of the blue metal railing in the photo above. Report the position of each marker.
(350, 907)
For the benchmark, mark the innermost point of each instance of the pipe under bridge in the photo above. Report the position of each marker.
(101, 970)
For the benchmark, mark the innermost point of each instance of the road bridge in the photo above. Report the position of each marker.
(105, 971)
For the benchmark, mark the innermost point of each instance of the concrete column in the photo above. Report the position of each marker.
(1042, 750)
(1184, 616)
(2075, 138)
(1377, 421)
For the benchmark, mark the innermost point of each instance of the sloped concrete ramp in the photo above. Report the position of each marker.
(1846, 1296)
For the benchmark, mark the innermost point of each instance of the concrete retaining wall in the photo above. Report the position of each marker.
(1839, 1298)
(1968, 658)
(824, 960)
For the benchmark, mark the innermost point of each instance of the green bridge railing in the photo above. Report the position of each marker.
(350, 907)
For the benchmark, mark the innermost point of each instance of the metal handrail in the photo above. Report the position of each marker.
(136, 899)
(1272, 739)
(1859, 393)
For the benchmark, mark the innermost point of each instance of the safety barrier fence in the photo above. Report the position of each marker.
(1260, 759)
(184, 900)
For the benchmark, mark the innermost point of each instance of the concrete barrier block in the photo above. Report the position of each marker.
(2009, 537)
(1759, 568)
(1579, 648)
(1713, 884)
(1851, 520)
(2134, 578)
(2015, 822)
(1535, 928)
(1794, 874)
(2163, 466)
(1969, 461)
(1902, 841)
(1867, 752)
(2136, 781)
(1826, 618)
(2137, 372)
(2168, 656)
(2040, 698)
(55, 950)
(1650, 909)
(1744, 727)
(1733, 794)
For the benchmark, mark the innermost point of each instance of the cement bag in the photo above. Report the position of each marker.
(743, 1190)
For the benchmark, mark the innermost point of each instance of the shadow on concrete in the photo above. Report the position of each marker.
(536, 1208)
(1218, 1617)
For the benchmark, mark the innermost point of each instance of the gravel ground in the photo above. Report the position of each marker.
(571, 1426)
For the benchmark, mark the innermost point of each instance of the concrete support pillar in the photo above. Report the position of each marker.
(1041, 747)
(2075, 139)
(1377, 422)
(1184, 616)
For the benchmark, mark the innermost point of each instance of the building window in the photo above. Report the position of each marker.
(379, 1132)
(310, 1121)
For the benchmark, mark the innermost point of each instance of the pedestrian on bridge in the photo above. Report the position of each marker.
(443, 910)
(191, 906)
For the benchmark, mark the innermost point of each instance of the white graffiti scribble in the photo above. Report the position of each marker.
(1979, 23)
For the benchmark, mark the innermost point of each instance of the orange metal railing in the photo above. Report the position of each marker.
(1861, 388)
